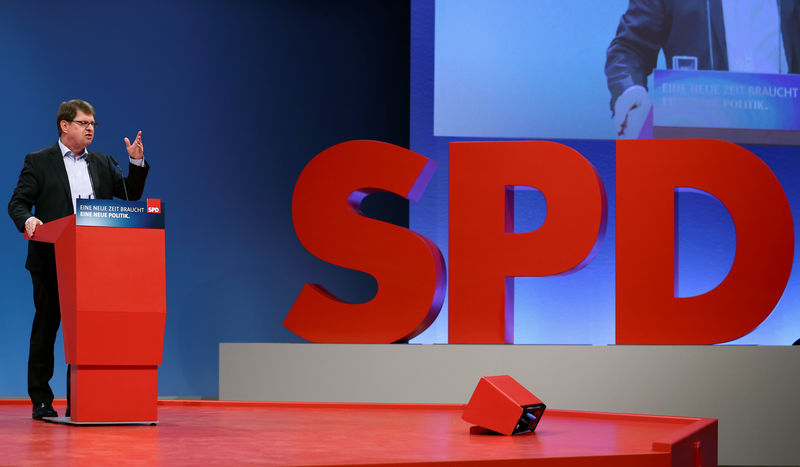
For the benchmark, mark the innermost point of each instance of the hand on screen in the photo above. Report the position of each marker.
(630, 112)
(31, 224)
(135, 150)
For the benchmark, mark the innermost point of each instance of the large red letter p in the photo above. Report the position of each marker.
(485, 252)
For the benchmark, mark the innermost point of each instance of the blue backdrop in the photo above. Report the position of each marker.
(233, 98)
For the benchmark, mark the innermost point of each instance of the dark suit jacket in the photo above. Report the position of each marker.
(43, 191)
(680, 27)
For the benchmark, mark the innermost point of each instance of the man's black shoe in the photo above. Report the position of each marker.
(43, 409)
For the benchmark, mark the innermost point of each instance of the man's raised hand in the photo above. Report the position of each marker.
(135, 150)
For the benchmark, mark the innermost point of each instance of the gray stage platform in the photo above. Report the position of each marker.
(754, 391)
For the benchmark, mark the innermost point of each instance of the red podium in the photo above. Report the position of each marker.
(112, 291)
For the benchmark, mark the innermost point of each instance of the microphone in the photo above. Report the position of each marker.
(114, 161)
(710, 39)
(91, 182)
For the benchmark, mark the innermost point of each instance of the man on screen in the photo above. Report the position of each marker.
(49, 184)
(756, 36)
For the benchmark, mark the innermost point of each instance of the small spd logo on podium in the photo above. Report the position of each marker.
(153, 206)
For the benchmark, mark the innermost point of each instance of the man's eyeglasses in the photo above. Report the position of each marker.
(84, 123)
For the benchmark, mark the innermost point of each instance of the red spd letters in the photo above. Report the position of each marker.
(485, 253)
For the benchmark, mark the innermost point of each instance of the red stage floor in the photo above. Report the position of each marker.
(264, 433)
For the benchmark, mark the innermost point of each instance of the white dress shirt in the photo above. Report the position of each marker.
(753, 36)
(80, 183)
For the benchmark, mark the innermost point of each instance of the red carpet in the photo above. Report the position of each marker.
(264, 433)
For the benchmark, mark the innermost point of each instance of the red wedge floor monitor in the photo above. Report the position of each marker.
(502, 405)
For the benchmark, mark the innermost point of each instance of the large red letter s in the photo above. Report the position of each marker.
(648, 173)
(409, 268)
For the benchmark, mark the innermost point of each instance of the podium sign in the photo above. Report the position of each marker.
(114, 213)
(746, 108)
(112, 291)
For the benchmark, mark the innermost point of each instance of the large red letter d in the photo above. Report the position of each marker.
(648, 173)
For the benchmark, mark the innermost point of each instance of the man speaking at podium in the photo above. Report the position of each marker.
(752, 36)
(50, 182)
